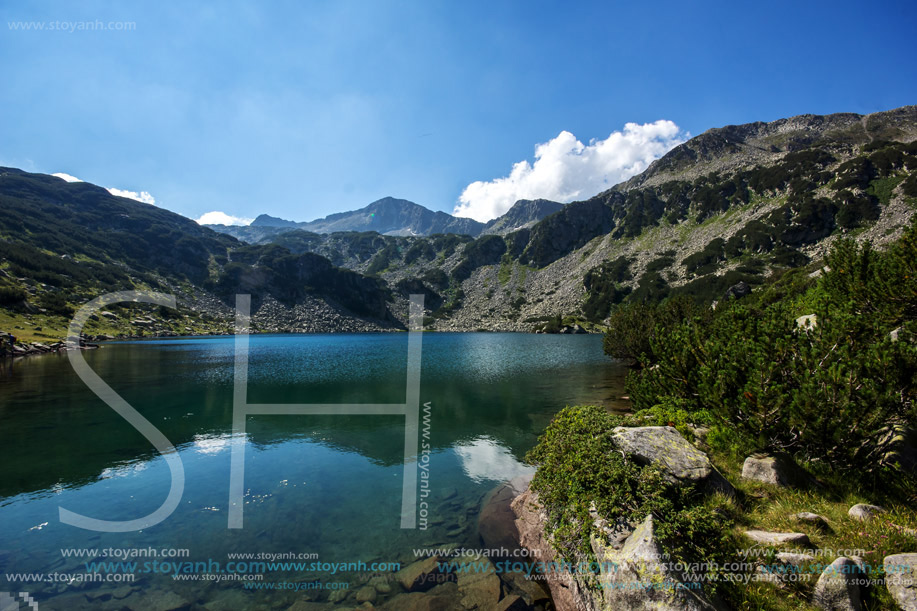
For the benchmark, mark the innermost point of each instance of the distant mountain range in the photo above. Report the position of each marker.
(396, 217)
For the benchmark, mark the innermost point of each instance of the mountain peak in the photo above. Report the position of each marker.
(524, 213)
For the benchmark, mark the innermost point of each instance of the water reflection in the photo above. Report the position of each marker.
(485, 459)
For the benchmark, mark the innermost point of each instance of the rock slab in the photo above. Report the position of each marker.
(675, 456)
(772, 538)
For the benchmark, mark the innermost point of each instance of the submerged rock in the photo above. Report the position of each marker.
(421, 575)
(443, 597)
(497, 522)
(479, 585)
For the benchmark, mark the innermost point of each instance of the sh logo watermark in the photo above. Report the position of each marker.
(242, 409)
(10, 601)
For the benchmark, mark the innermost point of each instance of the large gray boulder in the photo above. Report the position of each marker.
(836, 589)
(901, 579)
(640, 576)
(679, 461)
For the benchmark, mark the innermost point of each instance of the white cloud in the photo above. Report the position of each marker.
(66, 177)
(566, 170)
(221, 218)
(143, 196)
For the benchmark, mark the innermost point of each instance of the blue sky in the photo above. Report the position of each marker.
(301, 109)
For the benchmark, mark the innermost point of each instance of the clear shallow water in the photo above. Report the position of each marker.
(323, 485)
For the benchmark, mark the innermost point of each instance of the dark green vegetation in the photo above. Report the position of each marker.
(274, 270)
(71, 234)
(828, 394)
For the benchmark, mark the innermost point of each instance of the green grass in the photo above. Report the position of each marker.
(506, 270)
(771, 508)
(882, 188)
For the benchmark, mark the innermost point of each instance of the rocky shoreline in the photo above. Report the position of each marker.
(638, 558)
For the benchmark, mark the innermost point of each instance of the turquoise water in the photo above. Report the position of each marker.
(326, 486)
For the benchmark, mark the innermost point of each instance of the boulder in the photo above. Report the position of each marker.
(901, 580)
(776, 470)
(675, 456)
(809, 321)
(156, 600)
(864, 512)
(441, 598)
(530, 590)
(305, 605)
(496, 521)
(421, 575)
(640, 576)
(366, 594)
(381, 584)
(568, 593)
(479, 585)
(836, 589)
(772, 538)
(814, 519)
(737, 291)
(511, 603)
